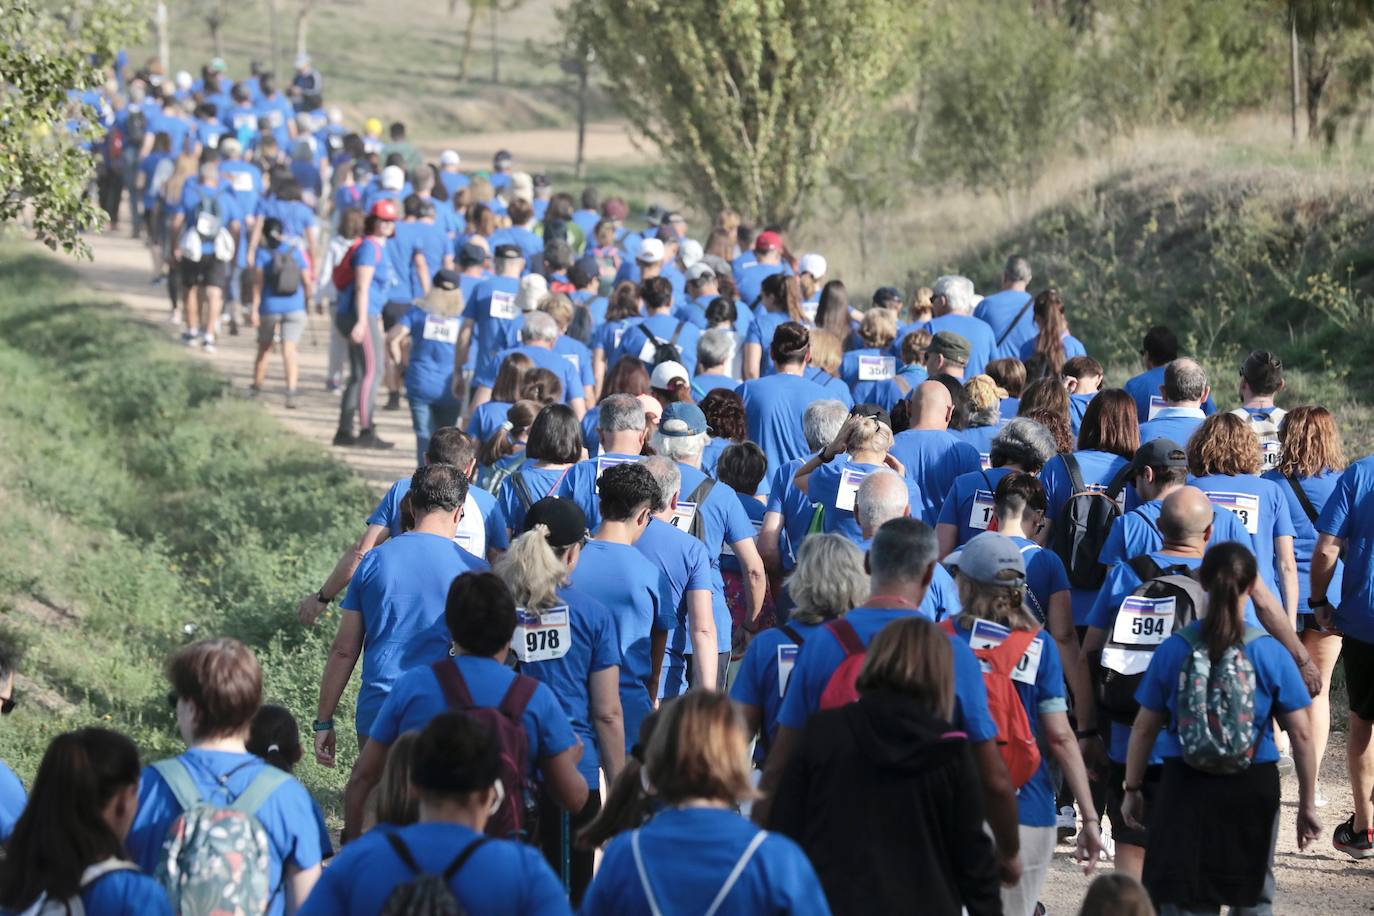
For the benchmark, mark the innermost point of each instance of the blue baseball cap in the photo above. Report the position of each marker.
(681, 418)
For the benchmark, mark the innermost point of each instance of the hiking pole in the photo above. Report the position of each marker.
(567, 851)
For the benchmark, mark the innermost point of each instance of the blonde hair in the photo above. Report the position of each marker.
(826, 351)
(983, 392)
(869, 434)
(922, 304)
(1004, 604)
(878, 329)
(829, 579)
(558, 307)
(533, 570)
(391, 802)
(699, 751)
(911, 656)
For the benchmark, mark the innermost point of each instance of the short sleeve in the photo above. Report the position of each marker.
(1290, 694)
(747, 687)
(776, 490)
(1049, 680)
(1114, 548)
(1283, 518)
(494, 521)
(665, 612)
(755, 335)
(605, 649)
(353, 598)
(385, 729)
(949, 512)
(1335, 515)
(699, 567)
(1056, 574)
(300, 825)
(738, 527)
(555, 734)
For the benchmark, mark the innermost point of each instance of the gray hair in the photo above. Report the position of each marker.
(620, 413)
(881, 497)
(208, 173)
(668, 477)
(539, 326)
(829, 579)
(958, 292)
(1017, 269)
(821, 422)
(679, 448)
(902, 550)
(716, 347)
(1024, 443)
(1184, 380)
(230, 148)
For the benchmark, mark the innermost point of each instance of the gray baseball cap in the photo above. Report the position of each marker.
(987, 557)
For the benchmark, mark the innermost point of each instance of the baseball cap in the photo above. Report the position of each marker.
(509, 251)
(542, 181)
(668, 235)
(873, 411)
(654, 214)
(650, 252)
(502, 157)
(813, 264)
(652, 408)
(768, 241)
(583, 271)
(393, 178)
(700, 270)
(373, 125)
(691, 252)
(666, 371)
(217, 65)
(615, 209)
(533, 287)
(471, 254)
(987, 558)
(1159, 453)
(449, 157)
(885, 294)
(564, 518)
(951, 346)
(384, 209)
(682, 419)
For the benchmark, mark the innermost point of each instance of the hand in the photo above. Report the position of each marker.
(253, 319)
(840, 443)
(310, 609)
(1089, 846)
(891, 461)
(1009, 869)
(356, 335)
(1094, 755)
(1311, 677)
(1309, 826)
(457, 387)
(324, 748)
(1133, 810)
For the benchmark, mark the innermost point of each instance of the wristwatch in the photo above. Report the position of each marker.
(325, 726)
(319, 596)
(1315, 603)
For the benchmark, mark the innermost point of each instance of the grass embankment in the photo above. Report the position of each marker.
(145, 509)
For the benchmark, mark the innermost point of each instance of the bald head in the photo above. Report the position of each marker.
(881, 497)
(1185, 519)
(931, 406)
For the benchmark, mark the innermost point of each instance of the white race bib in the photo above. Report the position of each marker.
(787, 660)
(649, 350)
(274, 119)
(1157, 404)
(464, 540)
(241, 181)
(1244, 505)
(1270, 449)
(442, 330)
(985, 461)
(604, 462)
(616, 334)
(980, 515)
(503, 305)
(683, 516)
(1144, 621)
(212, 141)
(989, 635)
(1120, 499)
(876, 368)
(542, 637)
(850, 478)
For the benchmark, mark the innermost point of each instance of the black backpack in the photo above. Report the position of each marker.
(1130, 656)
(135, 128)
(426, 894)
(1083, 524)
(667, 352)
(284, 272)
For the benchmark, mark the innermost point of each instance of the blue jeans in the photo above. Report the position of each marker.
(426, 417)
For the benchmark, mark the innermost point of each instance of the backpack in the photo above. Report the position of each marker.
(724, 892)
(840, 690)
(515, 818)
(208, 218)
(1215, 707)
(665, 352)
(72, 906)
(491, 476)
(1083, 524)
(1265, 424)
(426, 894)
(135, 127)
(1136, 634)
(216, 858)
(344, 272)
(698, 496)
(1032, 602)
(1015, 740)
(284, 272)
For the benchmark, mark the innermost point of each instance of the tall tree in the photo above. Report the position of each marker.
(747, 100)
(46, 52)
(1333, 37)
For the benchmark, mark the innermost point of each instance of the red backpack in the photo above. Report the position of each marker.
(506, 723)
(343, 271)
(1015, 739)
(840, 690)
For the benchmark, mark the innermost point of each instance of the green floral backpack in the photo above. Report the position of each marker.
(1215, 708)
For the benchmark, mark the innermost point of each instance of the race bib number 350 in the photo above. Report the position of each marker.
(876, 368)
(541, 637)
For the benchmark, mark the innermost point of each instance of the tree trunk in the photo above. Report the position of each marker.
(164, 42)
(1293, 68)
(215, 39)
(495, 45)
(581, 114)
(274, 35)
(469, 30)
(302, 26)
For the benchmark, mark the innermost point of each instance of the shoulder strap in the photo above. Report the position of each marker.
(677, 332)
(1252, 634)
(457, 864)
(1147, 520)
(522, 490)
(846, 636)
(1191, 636)
(451, 682)
(791, 634)
(178, 779)
(402, 851)
(1144, 567)
(988, 481)
(1119, 482)
(1015, 321)
(94, 873)
(517, 697)
(1075, 472)
(644, 875)
(735, 872)
(260, 789)
(701, 491)
(1298, 491)
(1004, 658)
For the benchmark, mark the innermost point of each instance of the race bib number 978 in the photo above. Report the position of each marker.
(541, 637)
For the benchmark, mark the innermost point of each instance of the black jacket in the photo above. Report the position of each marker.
(888, 805)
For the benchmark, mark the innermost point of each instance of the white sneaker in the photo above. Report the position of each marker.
(1322, 800)
(209, 343)
(1108, 844)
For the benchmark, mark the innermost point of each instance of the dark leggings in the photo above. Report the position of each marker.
(551, 842)
(364, 370)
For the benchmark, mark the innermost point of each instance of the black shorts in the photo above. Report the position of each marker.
(1358, 658)
(208, 271)
(1150, 786)
(392, 312)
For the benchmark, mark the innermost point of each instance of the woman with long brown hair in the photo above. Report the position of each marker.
(622, 313)
(627, 376)
(1052, 342)
(505, 391)
(779, 302)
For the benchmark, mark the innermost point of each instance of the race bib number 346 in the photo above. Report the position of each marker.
(542, 637)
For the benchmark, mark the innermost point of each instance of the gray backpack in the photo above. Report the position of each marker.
(426, 894)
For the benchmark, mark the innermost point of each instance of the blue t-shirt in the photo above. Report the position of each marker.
(543, 358)
(933, 458)
(497, 319)
(787, 499)
(125, 892)
(1174, 423)
(1045, 576)
(724, 521)
(487, 419)
(1072, 347)
(429, 368)
(175, 127)
(754, 510)
(1318, 490)
(764, 672)
(711, 453)
(540, 482)
(773, 409)
(288, 816)
(1099, 469)
(1262, 509)
(761, 331)
(1137, 532)
(13, 798)
(684, 562)
(417, 698)
(192, 195)
(242, 121)
(635, 341)
(835, 486)
(703, 385)
(1040, 687)
(822, 654)
(980, 437)
(959, 508)
(835, 388)
(580, 485)
(1009, 315)
(942, 598)
(296, 217)
(369, 254)
(580, 358)
(531, 244)
(1278, 688)
(749, 282)
(278, 112)
(1144, 386)
(502, 876)
(431, 242)
(982, 342)
(639, 598)
(400, 588)
(689, 854)
(272, 304)
(1078, 406)
(489, 522)
(1348, 515)
(246, 180)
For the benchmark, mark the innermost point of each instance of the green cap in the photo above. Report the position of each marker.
(951, 346)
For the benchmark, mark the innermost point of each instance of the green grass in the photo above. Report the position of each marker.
(144, 510)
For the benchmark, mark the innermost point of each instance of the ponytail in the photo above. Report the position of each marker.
(519, 419)
(533, 570)
(1049, 316)
(808, 286)
(1228, 572)
(275, 737)
(785, 294)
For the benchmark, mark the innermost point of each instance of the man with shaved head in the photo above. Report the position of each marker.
(932, 455)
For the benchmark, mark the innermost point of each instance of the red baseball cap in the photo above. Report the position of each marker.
(385, 209)
(768, 241)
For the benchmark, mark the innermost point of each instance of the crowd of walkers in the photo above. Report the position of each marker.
(717, 589)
